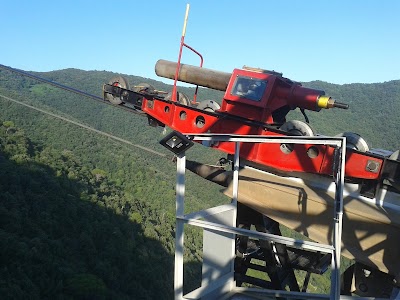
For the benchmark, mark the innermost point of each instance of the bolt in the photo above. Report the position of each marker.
(372, 166)
(363, 287)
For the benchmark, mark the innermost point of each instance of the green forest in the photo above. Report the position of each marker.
(86, 217)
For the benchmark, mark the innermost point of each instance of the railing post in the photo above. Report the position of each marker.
(180, 197)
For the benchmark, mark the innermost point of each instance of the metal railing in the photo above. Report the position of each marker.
(219, 227)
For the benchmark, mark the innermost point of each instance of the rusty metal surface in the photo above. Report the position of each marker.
(191, 74)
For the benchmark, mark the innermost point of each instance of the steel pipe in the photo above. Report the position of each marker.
(195, 75)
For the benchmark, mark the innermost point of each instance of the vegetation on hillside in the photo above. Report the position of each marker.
(68, 231)
(84, 217)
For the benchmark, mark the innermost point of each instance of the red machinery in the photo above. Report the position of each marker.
(256, 102)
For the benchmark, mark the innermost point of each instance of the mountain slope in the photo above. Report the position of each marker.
(69, 232)
(373, 111)
(59, 164)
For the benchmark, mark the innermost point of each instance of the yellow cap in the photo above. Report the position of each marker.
(323, 101)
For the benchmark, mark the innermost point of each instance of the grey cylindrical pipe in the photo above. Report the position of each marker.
(191, 74)
(211, 173)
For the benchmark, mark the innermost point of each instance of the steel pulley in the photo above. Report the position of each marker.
(295, 127)
(354, 141)
(117, 82)
(209, 105)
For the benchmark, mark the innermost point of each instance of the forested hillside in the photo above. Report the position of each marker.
(68, 231)
(98, 214)
(373, 111)
(85, 217)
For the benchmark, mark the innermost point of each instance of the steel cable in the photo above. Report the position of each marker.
(67, 88)
(84, 126)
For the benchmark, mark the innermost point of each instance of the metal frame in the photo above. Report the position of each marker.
(219, 225)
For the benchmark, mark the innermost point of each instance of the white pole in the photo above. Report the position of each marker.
(180, 197)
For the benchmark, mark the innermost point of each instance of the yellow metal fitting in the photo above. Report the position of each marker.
(325, 102)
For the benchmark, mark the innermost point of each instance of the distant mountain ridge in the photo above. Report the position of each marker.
(373, 111)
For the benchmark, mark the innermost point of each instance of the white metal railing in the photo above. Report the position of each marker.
(219, 226)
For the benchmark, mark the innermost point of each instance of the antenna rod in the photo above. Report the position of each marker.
(174, 98)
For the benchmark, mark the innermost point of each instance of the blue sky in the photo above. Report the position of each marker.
(334, 41)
